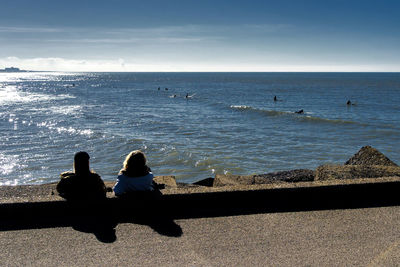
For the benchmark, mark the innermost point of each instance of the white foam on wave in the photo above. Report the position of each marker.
(314, 119)
(66, 110)
(240, 107)
(71, 130)
(307, 116)
(51, 125)
(260, 110)
(9, 182)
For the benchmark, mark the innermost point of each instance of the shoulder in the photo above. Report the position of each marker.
(67, 180)
(95, 178)
(94, 175)
(122, 177)
(67, 175)
(149, 175)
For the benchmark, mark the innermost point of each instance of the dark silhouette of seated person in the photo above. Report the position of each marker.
(81, 184)
(85, 191)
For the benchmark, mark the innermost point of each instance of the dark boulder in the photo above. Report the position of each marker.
(300, 175)
(168, 181)
(369, 156)
(331, 172)
(186, 185)
(205, 182)
(229, 179)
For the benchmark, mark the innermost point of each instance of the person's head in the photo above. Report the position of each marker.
(81, 163)
(135, 164)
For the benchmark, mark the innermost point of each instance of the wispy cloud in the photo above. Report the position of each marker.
(29, 30)
(89, 65)
(129, 40)
(204, 32)
(268, 27)
(171, 33)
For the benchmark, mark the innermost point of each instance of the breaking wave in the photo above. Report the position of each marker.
(306, 117)
(68, 130)
(264, 111)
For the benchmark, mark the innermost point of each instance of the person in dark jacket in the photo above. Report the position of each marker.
(85, 191)
(82, 183)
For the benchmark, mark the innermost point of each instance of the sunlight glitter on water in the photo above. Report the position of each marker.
(231, 125)
(8, 164)
(11, 94)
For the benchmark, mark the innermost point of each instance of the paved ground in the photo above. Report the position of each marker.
(359, 237)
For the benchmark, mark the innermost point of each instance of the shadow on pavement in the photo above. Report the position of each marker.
(99, 219)
(160, 213)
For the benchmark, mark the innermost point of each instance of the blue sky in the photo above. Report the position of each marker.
(202, 35)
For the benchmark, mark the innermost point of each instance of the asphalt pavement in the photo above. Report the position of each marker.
(342, 224)
(348, 237)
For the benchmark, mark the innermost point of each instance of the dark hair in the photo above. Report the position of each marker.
(81, 163)
(81, 155)
(135, 164)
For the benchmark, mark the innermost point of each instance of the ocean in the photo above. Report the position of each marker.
(230, 122)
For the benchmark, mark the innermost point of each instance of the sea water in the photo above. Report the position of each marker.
(230, 122)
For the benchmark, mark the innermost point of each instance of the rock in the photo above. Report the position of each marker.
(330, 172)
(276, 177)
(369, 156)
(229, 179)
(205, 182)
(300, 175)
(186, 185)
(168, 181)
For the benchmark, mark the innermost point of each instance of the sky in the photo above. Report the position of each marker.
(201, 35)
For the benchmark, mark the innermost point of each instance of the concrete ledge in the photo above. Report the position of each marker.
(37, 207)
(48, 192)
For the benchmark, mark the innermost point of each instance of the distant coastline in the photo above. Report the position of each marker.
(12, 69)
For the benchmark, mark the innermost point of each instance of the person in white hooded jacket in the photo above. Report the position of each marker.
(135, 175)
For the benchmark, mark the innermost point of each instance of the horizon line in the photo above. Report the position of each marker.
(219, 71)
(19, 70)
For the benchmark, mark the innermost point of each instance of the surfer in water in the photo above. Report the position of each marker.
(299, 111)
(275, 98)
(189, 96)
